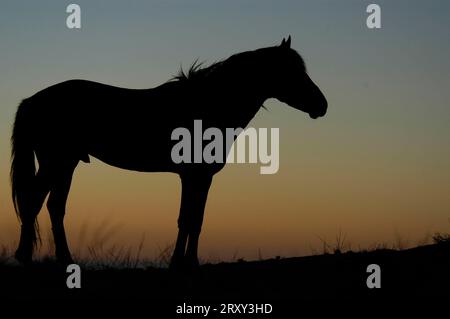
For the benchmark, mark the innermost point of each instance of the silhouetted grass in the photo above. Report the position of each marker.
(440, 238)
(96, 250)
(5, 255)
(339, 246)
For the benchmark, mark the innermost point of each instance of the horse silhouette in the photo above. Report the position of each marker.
(131, 129)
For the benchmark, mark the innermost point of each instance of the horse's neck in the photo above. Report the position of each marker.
(241, 86)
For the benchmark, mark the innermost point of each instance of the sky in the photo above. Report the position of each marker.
(376, 167)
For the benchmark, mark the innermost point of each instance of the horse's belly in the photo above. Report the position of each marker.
(142, 161)
(156, 162)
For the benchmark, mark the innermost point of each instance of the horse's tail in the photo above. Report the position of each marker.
(23, 168)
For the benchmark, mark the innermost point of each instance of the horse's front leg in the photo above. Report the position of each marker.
(193, 199)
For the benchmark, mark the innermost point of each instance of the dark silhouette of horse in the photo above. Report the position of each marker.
(131, 129)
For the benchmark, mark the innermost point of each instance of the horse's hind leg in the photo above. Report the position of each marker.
(40, 189)
(56, 204)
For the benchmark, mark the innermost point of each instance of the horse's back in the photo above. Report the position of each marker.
(77, 117)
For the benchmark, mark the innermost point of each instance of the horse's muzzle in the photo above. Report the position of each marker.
(316, 114)
(320, 111)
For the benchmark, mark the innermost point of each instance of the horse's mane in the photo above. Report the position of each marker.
(196, 70)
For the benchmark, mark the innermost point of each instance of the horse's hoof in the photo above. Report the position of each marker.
(23, 258)
(65, 259)
(176, 264)
(191, 264)
(185, 266)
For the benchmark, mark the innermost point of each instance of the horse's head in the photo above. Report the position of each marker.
(292, 84)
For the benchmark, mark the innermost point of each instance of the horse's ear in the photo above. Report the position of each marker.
(286, 43)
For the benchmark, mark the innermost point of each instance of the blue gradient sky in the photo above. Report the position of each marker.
(378, 165)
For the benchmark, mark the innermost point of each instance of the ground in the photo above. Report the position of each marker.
(421, 272)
